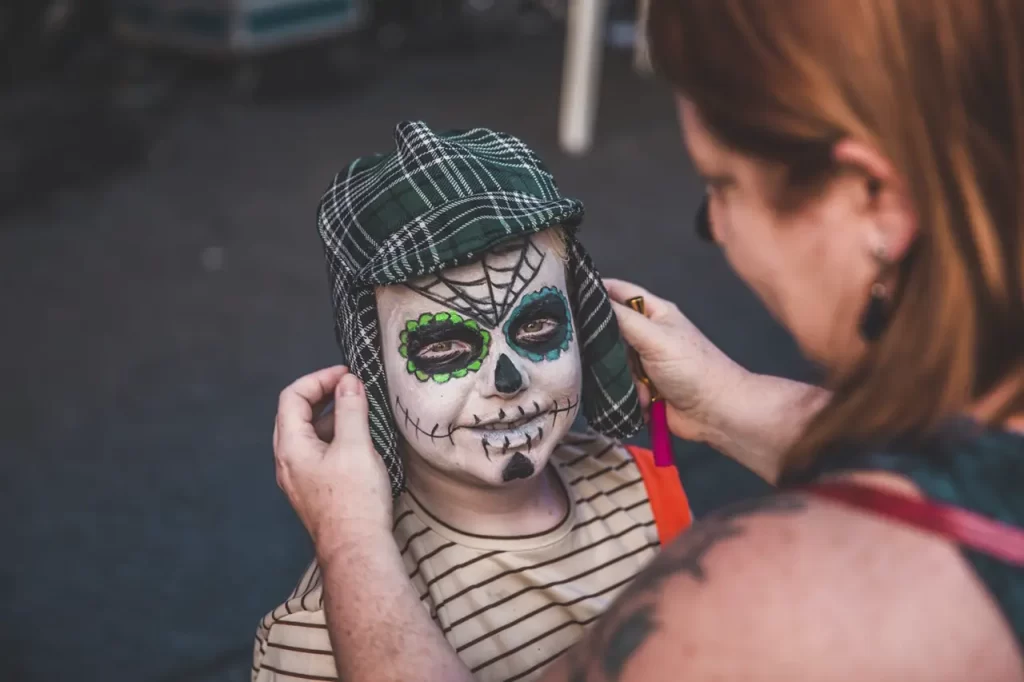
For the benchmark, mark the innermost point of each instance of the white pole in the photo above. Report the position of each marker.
(642, 49)
(581, 74)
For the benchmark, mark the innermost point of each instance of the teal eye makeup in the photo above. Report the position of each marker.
(443, 346)
(540, 327)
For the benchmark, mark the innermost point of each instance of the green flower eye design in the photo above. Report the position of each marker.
(443, 346)
(540, 327)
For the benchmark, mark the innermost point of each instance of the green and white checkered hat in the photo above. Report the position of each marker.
(440, 201)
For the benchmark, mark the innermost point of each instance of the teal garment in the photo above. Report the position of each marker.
(977, 469)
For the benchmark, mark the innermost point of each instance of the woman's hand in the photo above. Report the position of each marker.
(689, 371)
(327, 466)
(752, 418)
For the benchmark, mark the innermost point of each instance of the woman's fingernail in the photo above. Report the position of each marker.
(349, 385)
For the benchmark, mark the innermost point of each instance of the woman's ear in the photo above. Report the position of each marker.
(887, 200)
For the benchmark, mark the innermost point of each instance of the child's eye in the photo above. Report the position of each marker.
(444, 351)
(443, 346)
(540, 327)
(536, 330)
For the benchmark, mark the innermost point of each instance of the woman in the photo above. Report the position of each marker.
(865, 171)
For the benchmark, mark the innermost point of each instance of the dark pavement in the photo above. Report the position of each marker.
(150, 322)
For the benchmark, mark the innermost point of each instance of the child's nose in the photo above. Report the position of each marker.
(508, 379)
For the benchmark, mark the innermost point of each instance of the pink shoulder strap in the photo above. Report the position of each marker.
(982, 534)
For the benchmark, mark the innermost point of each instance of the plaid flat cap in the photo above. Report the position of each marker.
(443, 200)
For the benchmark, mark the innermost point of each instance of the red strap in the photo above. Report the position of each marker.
(988, 536)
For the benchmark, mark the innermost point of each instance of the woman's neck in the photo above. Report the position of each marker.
(519, 508)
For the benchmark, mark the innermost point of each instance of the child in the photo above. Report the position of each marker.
(480, 329)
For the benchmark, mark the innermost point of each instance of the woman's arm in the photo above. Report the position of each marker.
(759, 420)
(379, 630)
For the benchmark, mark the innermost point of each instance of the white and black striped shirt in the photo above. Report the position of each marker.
(510, 605)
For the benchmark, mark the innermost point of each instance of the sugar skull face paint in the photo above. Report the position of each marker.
(482, 364)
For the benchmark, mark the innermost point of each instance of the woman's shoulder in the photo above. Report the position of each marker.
(806, 587)
(964, 467)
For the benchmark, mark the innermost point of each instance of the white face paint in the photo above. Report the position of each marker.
(483, 363)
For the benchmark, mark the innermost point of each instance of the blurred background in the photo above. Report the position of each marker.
(162, 280)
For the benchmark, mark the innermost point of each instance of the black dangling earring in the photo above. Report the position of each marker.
(876, 314)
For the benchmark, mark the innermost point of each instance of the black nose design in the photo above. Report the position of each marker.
(507, 378)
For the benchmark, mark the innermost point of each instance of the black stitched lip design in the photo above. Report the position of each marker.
(504, 435)
(504, 420)
(519, 415)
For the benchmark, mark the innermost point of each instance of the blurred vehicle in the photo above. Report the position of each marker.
(441, 24)
(38, 36)
(85, 85)
(61, 122)
(235, 28)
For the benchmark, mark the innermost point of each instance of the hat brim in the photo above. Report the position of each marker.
(462, 231)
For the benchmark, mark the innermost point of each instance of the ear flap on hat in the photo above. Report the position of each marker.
(359, 328)
(610, 401)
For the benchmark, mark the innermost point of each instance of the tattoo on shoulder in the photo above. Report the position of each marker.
(626, 639)
(632, 620)
(686, 555)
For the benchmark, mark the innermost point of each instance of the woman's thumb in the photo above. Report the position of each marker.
(351, 423)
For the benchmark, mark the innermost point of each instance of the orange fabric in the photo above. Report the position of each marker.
(669, 503)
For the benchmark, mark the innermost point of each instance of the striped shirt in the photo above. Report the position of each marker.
(508, 606)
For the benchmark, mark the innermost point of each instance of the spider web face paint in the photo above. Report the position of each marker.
(507, 271)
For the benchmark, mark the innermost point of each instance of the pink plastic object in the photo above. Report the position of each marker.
(661, 437)
(657, 426)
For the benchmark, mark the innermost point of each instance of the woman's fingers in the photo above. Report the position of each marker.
(655, 307)
(297, 403)
(324, 424)
(621, 290)
(643, 393)
(639, 331)
(351, 414)
(340, 488)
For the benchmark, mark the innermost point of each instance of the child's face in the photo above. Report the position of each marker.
(483, 364)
